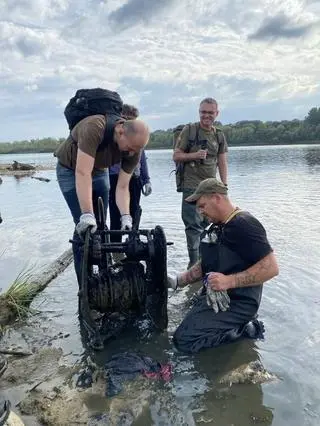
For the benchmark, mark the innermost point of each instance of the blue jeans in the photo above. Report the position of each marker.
(100, 188)
(115, 216)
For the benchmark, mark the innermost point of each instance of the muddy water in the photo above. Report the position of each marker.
(281, 186)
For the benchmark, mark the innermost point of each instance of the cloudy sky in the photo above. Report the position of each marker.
(260, 60)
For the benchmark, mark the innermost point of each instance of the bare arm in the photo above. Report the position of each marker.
(122, 192)
(191, 276)
(257, 274)
(223, 167)
(83, 175)
(260, 272)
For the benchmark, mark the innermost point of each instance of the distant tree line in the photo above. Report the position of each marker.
(254, 132)
(34, 145)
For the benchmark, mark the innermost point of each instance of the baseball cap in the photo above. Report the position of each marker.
(206, 187)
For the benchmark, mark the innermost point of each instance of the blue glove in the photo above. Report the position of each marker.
(147, 189)
(126, 222)
(87, 220)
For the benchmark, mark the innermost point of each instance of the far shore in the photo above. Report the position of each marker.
(154, 148)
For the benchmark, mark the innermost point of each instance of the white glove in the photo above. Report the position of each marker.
(126, 222)
(147, 189)
(174, 281)
(87, 220)
(218, 300)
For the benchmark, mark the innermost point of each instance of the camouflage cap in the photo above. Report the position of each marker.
(206, 187)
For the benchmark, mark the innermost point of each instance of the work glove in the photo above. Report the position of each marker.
(174, 281)
(218, 300)
(87, 220)
(126, 222)
(147, 189)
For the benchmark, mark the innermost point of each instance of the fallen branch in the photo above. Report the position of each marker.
(16, 301)
(14, 353)
(40, 178)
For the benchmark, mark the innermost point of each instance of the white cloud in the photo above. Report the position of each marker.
(163, 58)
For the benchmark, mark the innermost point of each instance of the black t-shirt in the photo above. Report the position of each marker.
(246, 236)
(246, 242)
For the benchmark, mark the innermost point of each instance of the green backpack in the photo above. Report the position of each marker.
(193, 138)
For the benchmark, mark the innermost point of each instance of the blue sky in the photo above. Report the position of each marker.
(260, 60)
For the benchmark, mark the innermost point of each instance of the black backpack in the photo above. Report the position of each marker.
(179, 171)
(88, 102)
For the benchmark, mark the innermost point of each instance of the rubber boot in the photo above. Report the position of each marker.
(254, 330)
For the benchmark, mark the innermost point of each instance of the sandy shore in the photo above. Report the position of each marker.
(42, 388)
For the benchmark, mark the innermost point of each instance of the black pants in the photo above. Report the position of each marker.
(202, 328)
(135, 195)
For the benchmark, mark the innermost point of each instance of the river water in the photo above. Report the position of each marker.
(281, 187)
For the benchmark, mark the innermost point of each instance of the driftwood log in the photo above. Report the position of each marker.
(22, 166)
(8, 309)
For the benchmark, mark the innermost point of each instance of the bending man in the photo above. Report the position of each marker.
(83, 175)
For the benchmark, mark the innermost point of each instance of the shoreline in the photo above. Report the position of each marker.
(154, 148)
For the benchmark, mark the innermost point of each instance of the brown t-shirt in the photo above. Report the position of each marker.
(88, 135)
(196, 171)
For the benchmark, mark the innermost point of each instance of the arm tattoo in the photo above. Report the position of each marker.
(192, 275)
(244, 279)
(255, 275)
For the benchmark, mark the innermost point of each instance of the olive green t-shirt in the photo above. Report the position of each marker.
(88, 135)
(196, 171)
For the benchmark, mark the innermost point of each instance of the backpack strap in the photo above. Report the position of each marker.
(111, 121)
(219, 134)
(193, 140)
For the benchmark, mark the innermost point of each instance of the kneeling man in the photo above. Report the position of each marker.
(236, 259)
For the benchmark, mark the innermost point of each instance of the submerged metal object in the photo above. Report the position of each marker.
(132, 288)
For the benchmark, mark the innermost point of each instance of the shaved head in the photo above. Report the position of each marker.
(132, 135)
(137, 131)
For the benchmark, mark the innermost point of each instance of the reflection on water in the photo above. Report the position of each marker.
(239, 403)
(276, 184)
(312, 156)
(21, 176)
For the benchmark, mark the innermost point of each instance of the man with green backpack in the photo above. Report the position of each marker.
(199, 150)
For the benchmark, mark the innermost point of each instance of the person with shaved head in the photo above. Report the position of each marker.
(82, 170)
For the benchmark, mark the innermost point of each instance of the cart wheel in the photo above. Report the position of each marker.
(157, 298)
(101, 219)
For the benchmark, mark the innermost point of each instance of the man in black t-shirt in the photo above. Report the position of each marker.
(236, 259)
